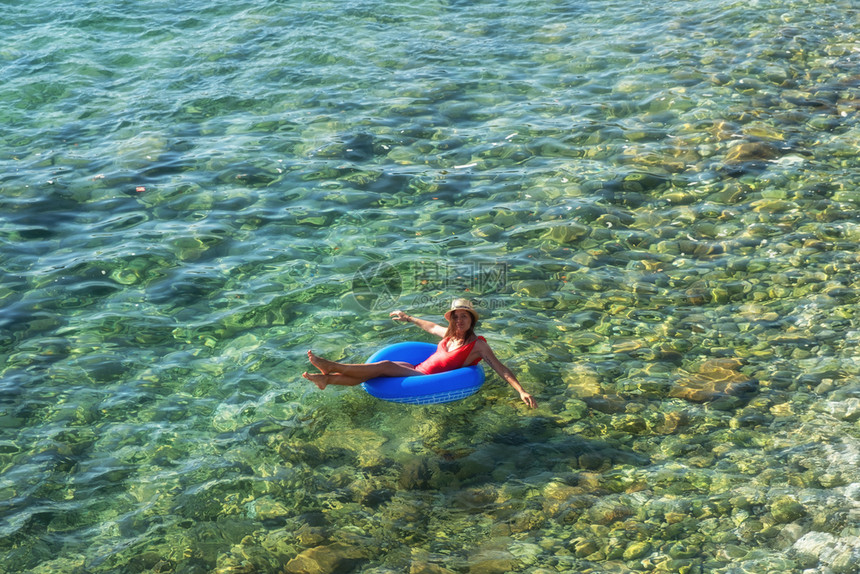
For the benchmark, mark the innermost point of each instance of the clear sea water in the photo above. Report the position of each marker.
(654, 204)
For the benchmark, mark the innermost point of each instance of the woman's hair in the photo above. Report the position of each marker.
(470, 332)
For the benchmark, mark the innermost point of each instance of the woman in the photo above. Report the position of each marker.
(459, 346)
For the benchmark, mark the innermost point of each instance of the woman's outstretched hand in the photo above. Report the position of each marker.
(528, 399)
(399, 316)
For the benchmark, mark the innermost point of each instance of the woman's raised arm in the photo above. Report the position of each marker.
(428, 326)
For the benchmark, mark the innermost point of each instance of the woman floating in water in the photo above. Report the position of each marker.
(459, 347)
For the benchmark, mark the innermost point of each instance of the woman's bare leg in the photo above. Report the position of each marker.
(356, 372)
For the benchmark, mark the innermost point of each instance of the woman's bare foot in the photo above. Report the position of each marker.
(321, 381)
(324, 365)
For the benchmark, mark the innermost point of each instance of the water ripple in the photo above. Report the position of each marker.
(654, 205)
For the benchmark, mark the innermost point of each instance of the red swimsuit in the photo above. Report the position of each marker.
(443, 360)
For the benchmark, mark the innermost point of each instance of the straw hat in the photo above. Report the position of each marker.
(465, 305)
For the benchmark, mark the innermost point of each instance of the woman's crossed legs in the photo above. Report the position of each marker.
(351, 374)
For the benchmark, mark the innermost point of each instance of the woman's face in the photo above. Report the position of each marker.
(461, 321)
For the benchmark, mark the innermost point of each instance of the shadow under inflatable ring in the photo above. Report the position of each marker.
(425, 389)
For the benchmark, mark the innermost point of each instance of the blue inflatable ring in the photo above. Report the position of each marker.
(425, 389)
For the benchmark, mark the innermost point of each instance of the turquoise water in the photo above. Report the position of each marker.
(654, 204)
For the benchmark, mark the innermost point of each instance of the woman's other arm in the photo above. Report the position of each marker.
(504, 372)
